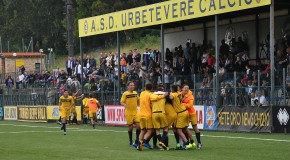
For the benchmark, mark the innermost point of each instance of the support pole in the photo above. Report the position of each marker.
(119, 67)
(272, 26)
(31, 44)
(218, 90)
(23, 50)
(1, 44)
(162, 52)
(82, 56)
(69, 27)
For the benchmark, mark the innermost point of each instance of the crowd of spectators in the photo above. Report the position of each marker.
(179, 66)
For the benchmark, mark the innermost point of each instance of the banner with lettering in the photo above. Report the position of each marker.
(32, 113)
(1, 113)
(161, 13)
(245, 118)
(115, 115)
(10, 113)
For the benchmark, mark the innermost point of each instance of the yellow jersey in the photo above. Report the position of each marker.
(158, 103)
(145, 105)
(177, 102)
(66, 102)
(131, 100)
(85, 103)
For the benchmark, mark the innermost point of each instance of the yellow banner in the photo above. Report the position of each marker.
(19, 63)
(32, 113)
(53, 112)
(160, 13)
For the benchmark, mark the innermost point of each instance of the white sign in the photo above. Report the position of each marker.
(115, 115)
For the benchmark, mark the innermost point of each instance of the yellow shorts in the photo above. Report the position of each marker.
(159, 120)
(131, 119)
(171, 115)
(146, 123)
(64, 114)
(73, 110)
(85, 111)
(182, 120)
(93, 113)
(192, 119)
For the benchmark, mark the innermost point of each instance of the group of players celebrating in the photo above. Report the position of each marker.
(67, 108)
(160, 110)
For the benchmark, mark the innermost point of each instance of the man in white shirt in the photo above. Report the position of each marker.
(19, 80)
(78, 70)
(262, 99)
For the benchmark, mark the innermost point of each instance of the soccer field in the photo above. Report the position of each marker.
(22, 140)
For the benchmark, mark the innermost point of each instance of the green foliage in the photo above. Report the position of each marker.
(45, 21)
(40, 19)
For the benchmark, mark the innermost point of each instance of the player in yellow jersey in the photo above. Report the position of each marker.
(158, 115)
(130, 100)
(145, 118)
(85, 109)
(188, 101)
(93, 105)
(73, 110)
(181, 123)
(66, 102)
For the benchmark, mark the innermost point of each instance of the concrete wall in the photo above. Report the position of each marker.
(29, 64)
(176, 38)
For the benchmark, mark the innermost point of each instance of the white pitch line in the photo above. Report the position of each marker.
(98, 130)
(22, 125)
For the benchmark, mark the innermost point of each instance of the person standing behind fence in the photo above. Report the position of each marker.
(78, 70)
(130, 101)
(9, 83)
(66, 102)
(70, 64)
(93, 105)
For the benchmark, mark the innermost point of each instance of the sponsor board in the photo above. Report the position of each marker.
(210, 118)
(281, 122)
(115, 115)
(32, 113)
(10, 113)
(54, 114)
(245, 118)
(1, 113)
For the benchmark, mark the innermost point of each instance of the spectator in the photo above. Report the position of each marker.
(9, 83)
(70, 64)
(78, 70)
(19, 80)
(224, 48)
(123, 62)
(280, 63)
(262, 99)
(22, 69)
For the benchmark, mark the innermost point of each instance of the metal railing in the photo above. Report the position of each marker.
(203, 87)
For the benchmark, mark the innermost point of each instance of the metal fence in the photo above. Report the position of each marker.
(203, 87)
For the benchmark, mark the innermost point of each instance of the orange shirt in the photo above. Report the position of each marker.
(188, 101)
(145, 105)
(93, 104)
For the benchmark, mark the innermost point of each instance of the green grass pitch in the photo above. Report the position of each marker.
(26, 140)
